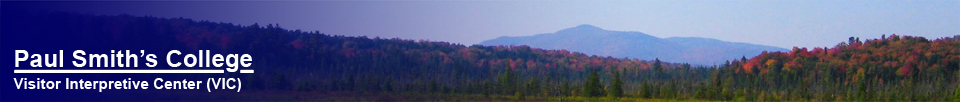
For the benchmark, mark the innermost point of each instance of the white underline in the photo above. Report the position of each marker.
(246, 71)
(123, 71)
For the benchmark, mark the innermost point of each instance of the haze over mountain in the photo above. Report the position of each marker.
(594, 40)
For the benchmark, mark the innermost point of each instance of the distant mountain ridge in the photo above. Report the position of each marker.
(594, 40)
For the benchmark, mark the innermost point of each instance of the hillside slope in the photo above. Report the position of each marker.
(593, 40)
(313, 61)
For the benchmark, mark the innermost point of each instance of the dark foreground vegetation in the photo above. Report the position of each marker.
(313, 65)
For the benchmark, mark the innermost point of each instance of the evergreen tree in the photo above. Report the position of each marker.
(506, 80)
(956, 93)
(657, 67)
(644, 91)
(593, 86)
(616, 85)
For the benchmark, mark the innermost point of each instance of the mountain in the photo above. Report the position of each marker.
(312, 66)
(294, 60)
(594, 40)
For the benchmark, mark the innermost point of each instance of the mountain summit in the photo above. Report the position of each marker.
(583, 27)
(594, 40)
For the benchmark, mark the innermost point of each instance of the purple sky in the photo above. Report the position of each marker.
(777, 23)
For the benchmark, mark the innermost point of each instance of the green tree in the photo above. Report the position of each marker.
(668, 90)
(506, 80)
(956, 93)
(593, 87)
(532, 87)
(657, 67)
(616, 85)
(645, 91)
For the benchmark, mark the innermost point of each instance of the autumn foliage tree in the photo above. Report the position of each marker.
(892, 68)
(903, 67)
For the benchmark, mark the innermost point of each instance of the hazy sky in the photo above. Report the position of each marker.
(779, 23)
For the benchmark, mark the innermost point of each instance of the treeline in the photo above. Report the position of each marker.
(891, 68)
(312, 61)
(886, 69)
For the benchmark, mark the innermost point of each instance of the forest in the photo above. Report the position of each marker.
(891, 68)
